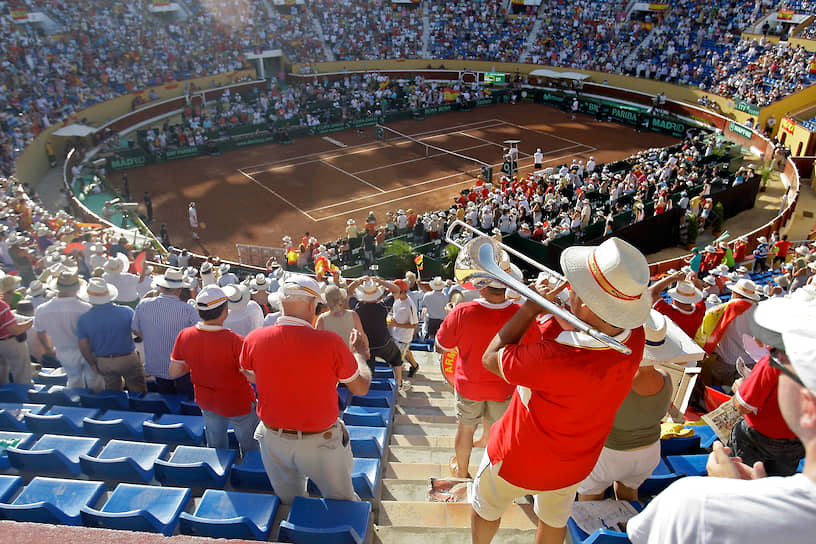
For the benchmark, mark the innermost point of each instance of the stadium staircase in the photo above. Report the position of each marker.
(326, 48)
(531, 39)
(420, 448)
(270, 11)
(426, 32)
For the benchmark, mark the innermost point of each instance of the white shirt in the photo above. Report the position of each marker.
(127, 284)
(404, 312)
(434, 302)
(538, 157)
(193, 216)
(245, 320)
(723, 511)
(58, 317)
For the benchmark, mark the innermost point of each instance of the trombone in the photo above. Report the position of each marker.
(478, 264)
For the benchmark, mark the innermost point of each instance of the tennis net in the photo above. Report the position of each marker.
(455, 161)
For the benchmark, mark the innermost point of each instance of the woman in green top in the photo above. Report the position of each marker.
(632, 449)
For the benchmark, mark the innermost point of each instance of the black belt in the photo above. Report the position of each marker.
(113, 356)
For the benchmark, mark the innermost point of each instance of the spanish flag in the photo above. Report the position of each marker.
(451, 95)
(418, 262)
(784, 14)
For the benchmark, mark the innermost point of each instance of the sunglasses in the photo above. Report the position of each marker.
(777, 363)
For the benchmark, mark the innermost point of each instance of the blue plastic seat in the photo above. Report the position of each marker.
(231, 514)
(365, 477)
(133, 507)
(661, 478)
(175, 429)
(367, 442)
(383, 384)
(52, 376)
(120, 424)
(157, 403)
(18, 392)
(679, 445)
(326, 521)
(364, 416)
(53, 454)
(706, 434)
(599, 536)
(688, 465)
(190, 408)
(121, 460)
(374, 398)
(383, 372)
(9, 486)
(58, 395)
(343, 398)
(250, 474)
(14, 440)
(52, 500)
(196, 467)
(105, 400)
(12, 415)
(60, 420)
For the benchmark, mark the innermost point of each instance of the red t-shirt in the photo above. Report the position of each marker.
(470, 327)
(297, 369)
(689, 322)
(782, 248)
(212, 355)
(758, 391)
(569, 388)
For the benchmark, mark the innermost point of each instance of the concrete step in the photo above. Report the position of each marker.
(420, 454)
(425, 515)
(425, 410)
(424, 441)
(446, 535)
(423, 471)
(426, 429)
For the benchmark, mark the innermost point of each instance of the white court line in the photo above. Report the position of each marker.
(369, 144)
(542, 132)
(259, 184)
(380, 203)
(358, 178)
(339, 155)
(389, 165)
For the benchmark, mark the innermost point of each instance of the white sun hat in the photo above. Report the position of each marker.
(744, 287)
(685, 292)
(612, 279)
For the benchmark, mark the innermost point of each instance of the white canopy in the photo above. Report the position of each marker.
(546, 72)
(75, 130)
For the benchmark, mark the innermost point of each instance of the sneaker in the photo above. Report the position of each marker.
(405, 387)
(412, 371)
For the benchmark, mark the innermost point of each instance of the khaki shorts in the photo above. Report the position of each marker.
(492, 495)
(471, 412)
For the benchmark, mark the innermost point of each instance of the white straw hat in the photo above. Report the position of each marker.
(661, 345)
(612, 280)
(437, 284)
(744, 287)
(369, 291)
(237, 294)
(685, 292)
(99, 291)
(173, 278)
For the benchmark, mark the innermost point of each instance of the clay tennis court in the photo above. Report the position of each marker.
(257, 195)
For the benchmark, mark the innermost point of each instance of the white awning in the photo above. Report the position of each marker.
(546, 72)
(74, 130)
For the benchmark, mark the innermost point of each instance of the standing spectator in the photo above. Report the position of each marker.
(632, 449)
(480, 395)
(296, 370)
(369, 247)
(338, 319)
(211, 355)
(226, 277)
(722, 332)
(373, 310)
(538, 159)
(687, 307)
(433, 309)
(404, 322)
(781, 249)
(569, 388)
(14, 354)
(106, 341)
(158, 321)
(761, 255)
(245, 315)
(127, 285)
(148, 206)
(56, 325)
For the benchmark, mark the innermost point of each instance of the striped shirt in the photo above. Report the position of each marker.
(159, 320)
